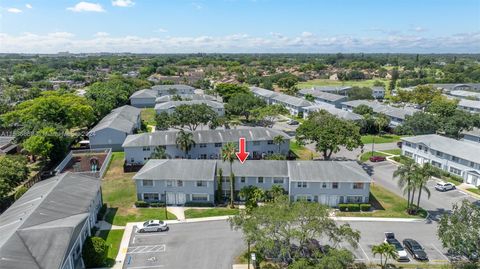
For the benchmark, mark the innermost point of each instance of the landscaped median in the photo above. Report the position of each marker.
(210, 212)
(380, 139)
(113, 239)
(385, 204)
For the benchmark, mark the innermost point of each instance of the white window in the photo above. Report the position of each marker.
(256, 143)
(203, 156)
(218, 145)
(307, 198)
(408, 154)
(260, 180)
(301, 184)
(200, 197)
(147, 183)
(242, 180)
(169, 183)
(335, 185)
(203, 145)
(455, 171)
(270, 142)
(150, 196)
(324, 185)
(201, 183)
(179, 183)
(358, 186)
(278, 181)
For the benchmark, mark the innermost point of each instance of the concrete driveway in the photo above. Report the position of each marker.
(202, 245)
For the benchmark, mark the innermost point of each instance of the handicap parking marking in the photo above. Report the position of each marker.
(147, 249)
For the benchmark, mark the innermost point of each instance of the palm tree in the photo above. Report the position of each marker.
(228, 154)
(159, 153)
(405, 175)
(424, 174)
(278, 140)
(185, 141)
(384, 250)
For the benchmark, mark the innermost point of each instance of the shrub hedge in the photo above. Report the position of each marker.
(354, 207)
(141, 204)
(20, 192)
(94, 252)
(199, 204)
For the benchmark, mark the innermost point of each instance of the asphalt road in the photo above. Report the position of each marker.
(438, 203)
(201, 245)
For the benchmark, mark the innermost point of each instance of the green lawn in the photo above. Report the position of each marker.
(327, 82)
(148, 116)
(301, 152)
(119, 193)
(369, 139)
(393, 151)
(365, 156)
(210, 212)
(474, 190)
(113, 239)
(387, 204)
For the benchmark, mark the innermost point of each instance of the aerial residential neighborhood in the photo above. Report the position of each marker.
(240, 134)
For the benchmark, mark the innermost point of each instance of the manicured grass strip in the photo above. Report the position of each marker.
(301, 152)
(474, 190)
(121, 216)
(210, 212)
(393, 151)
(387, 205)
(365, 156)
(369, 139)
(113, 239)
(147, 115)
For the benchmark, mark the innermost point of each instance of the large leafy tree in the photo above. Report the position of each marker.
(227, 90)
(49, 142)
(460, 231)
(360, 93)
(276, 226)
(190, 116)
(252, 195)
(243, 104)
(63, 109)
(418, 124)
(267, 114)
(329, 133)
(14, 171)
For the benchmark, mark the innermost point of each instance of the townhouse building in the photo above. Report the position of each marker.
(177, 182)
(396, 115)
(208, 144)
(147, 97)
(472, 106)
(465, 94)
(112, 130)
(184, 97)
(173, 89)
(448, 87)
(343, 114)
(472, 135)
(322, 97)
(47, 227)
(170, 106)
(457, 157)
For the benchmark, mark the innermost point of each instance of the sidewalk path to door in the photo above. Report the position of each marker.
(178, 211)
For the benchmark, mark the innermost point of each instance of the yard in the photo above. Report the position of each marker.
(113, 239)
(119, 194)
(301, 152)
(328, 82)
(210, 212)
(387, 205)
(389, 138)
(148, 116)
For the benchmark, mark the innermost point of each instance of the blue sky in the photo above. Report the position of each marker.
(240, 26)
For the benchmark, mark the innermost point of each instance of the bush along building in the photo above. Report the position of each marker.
(179, 182)
(207, 144)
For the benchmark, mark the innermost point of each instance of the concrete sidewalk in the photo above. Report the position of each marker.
(372, 219)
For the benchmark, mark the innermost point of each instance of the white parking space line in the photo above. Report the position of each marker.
(364, 253)
(446, 258)
(146, 249)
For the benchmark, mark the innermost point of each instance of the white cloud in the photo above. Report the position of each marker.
(86, 7)
(14, 10)
(123, 3)
(419, 29)
(161, 30)
(197, 5)
(28, 6)
(101, 34)
(307, 34)
(239, 43)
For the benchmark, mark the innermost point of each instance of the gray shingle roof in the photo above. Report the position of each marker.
(168, 98)
(203, 136)
(332, 88)
(166, 88)
(378, 107)
(177, 170)
(322, 95)
(173, 104)
(257, 168)
(145, 93)
(461, 93)
(123, 119)
(327, 171)
(263, 92)
(473, 132)
(343, 114)
(39, 229)
(469, 103)
(461, 149)
(291, 100)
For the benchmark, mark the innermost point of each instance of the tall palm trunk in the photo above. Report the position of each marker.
(232, 178)
(411, 202)
(408, 193)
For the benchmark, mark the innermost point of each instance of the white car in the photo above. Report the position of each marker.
(402, 255)
(444, 186)
(152, 226)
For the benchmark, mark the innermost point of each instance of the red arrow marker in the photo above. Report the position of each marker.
(243, 154)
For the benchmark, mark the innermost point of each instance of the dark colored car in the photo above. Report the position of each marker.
(399, 144)
(375, 159)
(415, 249)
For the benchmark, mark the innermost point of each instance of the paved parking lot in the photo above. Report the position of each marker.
(188, 245)
(372, 233)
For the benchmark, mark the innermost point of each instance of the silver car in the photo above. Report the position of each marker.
(444, 186)
(152, 226)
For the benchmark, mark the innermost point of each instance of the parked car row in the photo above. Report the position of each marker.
(413, 247)
(152, 226)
